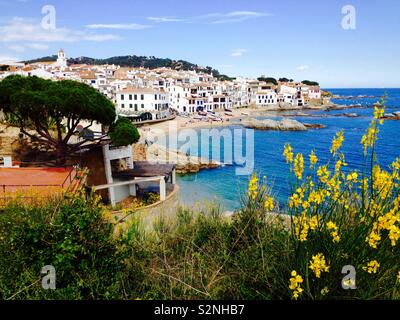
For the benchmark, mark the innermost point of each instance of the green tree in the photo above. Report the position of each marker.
(123, 133)
(310, 83)
(268, 80)
(53, 110)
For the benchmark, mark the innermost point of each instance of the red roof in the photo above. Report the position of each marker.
(35, 177)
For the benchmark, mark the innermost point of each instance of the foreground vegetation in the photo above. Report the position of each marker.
(338, 222)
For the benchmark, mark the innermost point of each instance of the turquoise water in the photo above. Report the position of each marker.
(224, 185)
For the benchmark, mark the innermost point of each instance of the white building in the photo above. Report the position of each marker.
(61, 60)
(266, 98)
(138, 101)
(180, 98)
(314, 93)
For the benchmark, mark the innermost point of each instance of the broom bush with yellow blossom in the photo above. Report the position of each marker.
(341, 219)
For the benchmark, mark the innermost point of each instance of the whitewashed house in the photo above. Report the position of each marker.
(179, 98)
(314, 92)
(136, 102)
(266, 98)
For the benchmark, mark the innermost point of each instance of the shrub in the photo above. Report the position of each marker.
(71, 236)
(123, 133)
(343, 220)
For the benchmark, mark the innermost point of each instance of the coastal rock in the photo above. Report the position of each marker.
(392, 116)
(351, 115)
(314, 126)
(184, 163)
(268, 124)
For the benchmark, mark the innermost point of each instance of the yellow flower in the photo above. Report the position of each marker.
(331, 226)
(301, 227)
(296, 199)
(378, 114)
(288, 153)
(352, 177)
(372, 266)
(382, 182)
(314, 223)
(313, 159)
(398, 277)
(341, 162)
(369, 139)
(337, 142)
(253, 187)
(299, 166)
(318, 265)
(324, 291)
(323, 174)
(269, 204)
(373, 239)
(295, 284)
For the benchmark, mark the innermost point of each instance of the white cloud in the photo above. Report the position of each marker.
(303, 67)
(6, 59)
(22, 48)
(165, 19)
(17, 48)
(22, 30)
(119, 26)
(38, 46)
(234, 16)
(238, 52)
(214, 18)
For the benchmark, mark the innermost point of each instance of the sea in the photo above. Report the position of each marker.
(224, 187)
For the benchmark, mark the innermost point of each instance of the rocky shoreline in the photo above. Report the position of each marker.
(283, 125)
(392, 116)
(184, 163)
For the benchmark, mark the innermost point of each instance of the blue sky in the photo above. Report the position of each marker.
(299, 39)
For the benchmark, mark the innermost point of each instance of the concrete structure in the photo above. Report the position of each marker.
(119, 187)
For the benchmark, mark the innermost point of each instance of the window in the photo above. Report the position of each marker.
(135, 96)
(122, 106)
(130, 106)
(142, 97)
(155, 97)
(142, 106)
(122, 97)
(130, 97)
(136, 107)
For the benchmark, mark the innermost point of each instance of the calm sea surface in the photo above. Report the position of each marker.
(224, 185)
